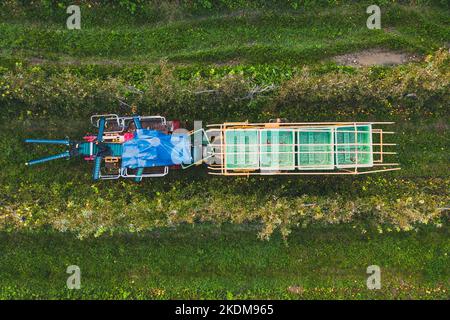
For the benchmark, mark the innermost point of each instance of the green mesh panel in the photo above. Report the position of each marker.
(242, 149)
(347, 153)
(315, 149)
(277, 150)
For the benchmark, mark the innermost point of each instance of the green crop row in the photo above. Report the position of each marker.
(414, 90)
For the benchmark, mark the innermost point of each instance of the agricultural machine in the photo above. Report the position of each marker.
(148, 146)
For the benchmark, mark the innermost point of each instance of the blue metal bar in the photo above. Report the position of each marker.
(139, 173)
(101, 129)
(137, 122)
(48, 141)
(45, 159)
(96, 172)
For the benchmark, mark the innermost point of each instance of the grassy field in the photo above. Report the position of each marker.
(190, 235)
(206, 262)
(253, 36)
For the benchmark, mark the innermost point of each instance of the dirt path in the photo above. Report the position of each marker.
(374, 57)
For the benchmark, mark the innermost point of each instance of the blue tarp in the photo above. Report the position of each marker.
(151, 148)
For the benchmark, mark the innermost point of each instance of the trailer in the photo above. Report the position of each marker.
(140, 147)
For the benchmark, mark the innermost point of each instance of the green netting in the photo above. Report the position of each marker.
(315, 149)
(277, 150)
(318, 148)
(242, 149)
(349, 153)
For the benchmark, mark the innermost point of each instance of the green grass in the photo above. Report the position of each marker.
(261, 37)
(207, 262)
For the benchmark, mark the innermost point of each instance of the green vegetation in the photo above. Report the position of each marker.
(403, 92)
(209, 60)
(306, 36)
(227, 263)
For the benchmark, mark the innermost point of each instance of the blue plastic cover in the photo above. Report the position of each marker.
(151, 148)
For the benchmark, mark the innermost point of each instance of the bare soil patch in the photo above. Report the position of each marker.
(373, 57)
